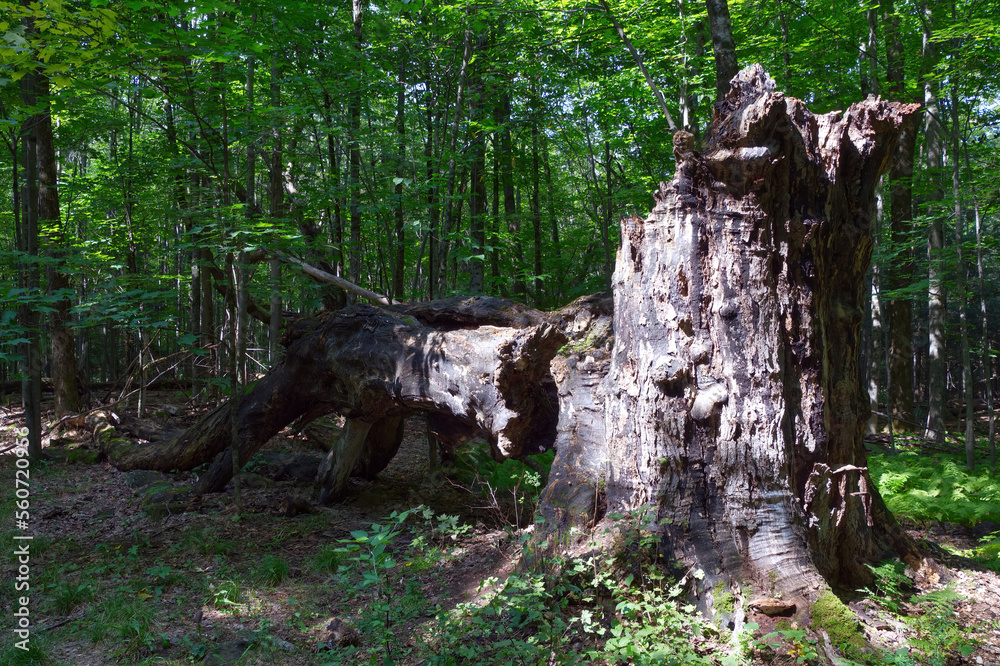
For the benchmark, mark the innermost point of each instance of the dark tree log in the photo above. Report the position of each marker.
(372, 365)
(734, 412)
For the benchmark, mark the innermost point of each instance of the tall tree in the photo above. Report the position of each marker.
(64, 383)
(354, 179)
(723, 45)
(937, 361)
(900, 272)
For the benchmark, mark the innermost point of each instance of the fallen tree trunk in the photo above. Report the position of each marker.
(370, 364)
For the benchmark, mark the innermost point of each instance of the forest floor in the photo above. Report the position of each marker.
(115, 582)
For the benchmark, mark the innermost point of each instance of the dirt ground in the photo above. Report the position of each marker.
(90, 531)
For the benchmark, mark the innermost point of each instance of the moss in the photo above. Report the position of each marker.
(830, 613)
(724, 600)
(83, 456)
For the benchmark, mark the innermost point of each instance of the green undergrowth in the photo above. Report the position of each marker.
(925, 486)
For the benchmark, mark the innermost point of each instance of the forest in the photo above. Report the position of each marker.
(325, 331)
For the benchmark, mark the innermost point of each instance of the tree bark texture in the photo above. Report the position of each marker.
(734, 411)
(372, 365)
(67, 396)
(574, 494)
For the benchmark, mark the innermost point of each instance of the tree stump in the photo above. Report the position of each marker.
(734, 411)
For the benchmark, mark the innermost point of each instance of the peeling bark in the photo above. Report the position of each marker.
(734, 411)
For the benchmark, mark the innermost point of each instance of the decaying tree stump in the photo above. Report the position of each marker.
(734, 412)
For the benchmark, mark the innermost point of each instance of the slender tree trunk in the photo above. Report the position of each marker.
(496, 283)
(642, 68)
(936, 301)
(900, 273)
(64, 383)
(538, 288)
(723, 45)
(557, 260)
(433, 206)
(606, 226)
(447, 227)
(399, 247)
(871, 52)
(968, 390)
(987, 360)
(477, 177)
(355, 149)
(31, 384)
(511, 210)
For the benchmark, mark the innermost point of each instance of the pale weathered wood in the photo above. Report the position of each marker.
(370, 365)
(734, 413)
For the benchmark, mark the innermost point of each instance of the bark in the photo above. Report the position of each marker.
(574, 494)
(28, 273)
(399, 248)
(900, 274)
(734, 411)
(355, 149)
(937, 316)
(536, 214)
(369, 365)
(511, 212)
(723, 45)
(274, 320)
(67, 397)
(963, 330)
(477, 177)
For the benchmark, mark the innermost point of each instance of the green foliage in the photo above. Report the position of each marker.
(511, 487)
(68, 595)
(226, 595)
(794, 644)
(939, 637)
(891, 584)
(922, 487)
(329, 559)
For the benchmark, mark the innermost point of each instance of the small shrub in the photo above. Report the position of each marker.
(891, 584)
(226, 595)
(939, 636)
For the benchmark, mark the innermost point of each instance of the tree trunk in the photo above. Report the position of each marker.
(477, 178)
(511, 212)
(67, 395)
(968, 392)
(482, 363)
(31, 365)
(937, 317)
(399, 247)
(900, 274)
(355, 151)
(723, 45)
(734, 411)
